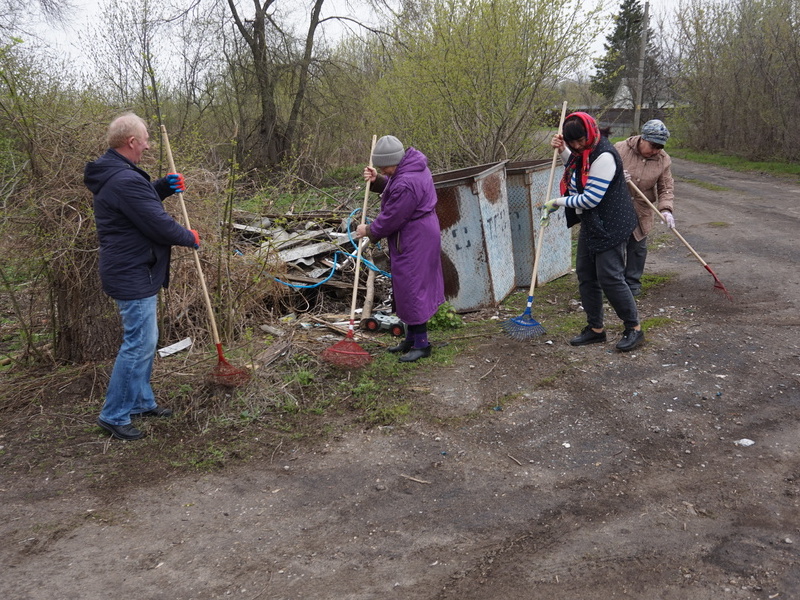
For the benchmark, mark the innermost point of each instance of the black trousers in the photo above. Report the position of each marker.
(604, 273)
(636, 255)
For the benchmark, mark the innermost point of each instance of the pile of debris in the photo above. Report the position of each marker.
(315, 249)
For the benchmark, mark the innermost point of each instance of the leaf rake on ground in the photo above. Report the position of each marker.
(525, 327)
(347, 354)
(718, 286)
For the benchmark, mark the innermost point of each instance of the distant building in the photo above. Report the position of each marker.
(619, 113)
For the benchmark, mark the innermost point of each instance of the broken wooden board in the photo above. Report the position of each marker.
(306, 251)
(271, 354)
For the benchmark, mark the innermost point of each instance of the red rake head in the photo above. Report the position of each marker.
(225, 374)
(718, 287)
(346, 354)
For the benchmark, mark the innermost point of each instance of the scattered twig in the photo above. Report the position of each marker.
(415, 479)
(337, 329)
(489, 371)
(328, 325)
(272, 457)
(514, 459)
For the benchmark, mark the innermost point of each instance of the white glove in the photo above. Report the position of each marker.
(670, 220)
(627, 175)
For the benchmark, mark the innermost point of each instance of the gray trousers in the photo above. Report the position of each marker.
(636, 255)
(604, 273)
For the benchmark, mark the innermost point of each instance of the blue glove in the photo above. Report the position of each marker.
(176, 183)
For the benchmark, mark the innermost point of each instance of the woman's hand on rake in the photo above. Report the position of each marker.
(548, 208)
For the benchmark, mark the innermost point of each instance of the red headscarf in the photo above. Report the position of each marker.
(592, 139)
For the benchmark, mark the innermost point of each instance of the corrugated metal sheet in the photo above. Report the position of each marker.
(527, 187)
(477, 253)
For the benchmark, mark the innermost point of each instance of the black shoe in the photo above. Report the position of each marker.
(156, 412)
(588, 336)
(416, 354)
(636, 291)
(631, 339)
(402, 347)
(121, 432)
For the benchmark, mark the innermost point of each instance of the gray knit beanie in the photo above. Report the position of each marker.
(388, 152)
(655, 132)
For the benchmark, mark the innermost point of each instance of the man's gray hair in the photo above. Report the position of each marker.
(123, 127)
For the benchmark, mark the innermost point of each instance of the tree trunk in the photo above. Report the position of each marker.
(277, 138)
(305, 65)
(88, 327)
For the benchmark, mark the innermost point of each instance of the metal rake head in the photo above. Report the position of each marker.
(523, 327)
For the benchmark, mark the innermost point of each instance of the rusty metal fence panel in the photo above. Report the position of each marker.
(527, 187)
(477, 253)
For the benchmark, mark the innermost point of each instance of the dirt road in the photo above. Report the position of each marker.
(603, 476)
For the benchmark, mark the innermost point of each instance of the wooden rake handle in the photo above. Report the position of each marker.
(641, 195)
(547, 197)
(363, 242)
(206, 297)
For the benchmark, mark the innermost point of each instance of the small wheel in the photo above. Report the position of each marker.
(371, 324)
(397, 330)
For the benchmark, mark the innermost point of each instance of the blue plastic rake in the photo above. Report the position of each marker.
(525, 327)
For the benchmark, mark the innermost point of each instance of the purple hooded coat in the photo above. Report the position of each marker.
(409, 223)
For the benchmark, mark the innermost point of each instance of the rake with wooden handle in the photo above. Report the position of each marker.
(347, 354)
(525, 326)
(224, 373)
(718, 286)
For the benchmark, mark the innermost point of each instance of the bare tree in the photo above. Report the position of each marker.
(275, 58)
(16, 16)
(739, 77)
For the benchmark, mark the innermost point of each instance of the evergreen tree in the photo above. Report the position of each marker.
(620, 63)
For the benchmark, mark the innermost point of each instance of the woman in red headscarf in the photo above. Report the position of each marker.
(594, 194)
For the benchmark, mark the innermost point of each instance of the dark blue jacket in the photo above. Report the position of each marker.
(134, 230)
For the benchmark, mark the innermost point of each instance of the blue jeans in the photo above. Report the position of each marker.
(604, 273)
(129, 390)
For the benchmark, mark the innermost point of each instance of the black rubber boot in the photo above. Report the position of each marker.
(402, 347)
(416, 354)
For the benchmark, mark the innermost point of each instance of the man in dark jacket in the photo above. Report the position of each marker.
(136, 235)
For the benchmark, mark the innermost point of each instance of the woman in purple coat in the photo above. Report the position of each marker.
(408, 221)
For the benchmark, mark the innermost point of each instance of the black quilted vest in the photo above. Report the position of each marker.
(613, 220)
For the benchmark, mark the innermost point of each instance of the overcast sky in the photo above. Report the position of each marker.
(65, 40)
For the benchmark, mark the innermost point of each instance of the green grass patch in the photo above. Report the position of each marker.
(736, 163)
(550, 305)
(655, 323)
(650, 280)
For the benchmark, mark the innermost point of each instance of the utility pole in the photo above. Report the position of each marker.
(637, 114)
